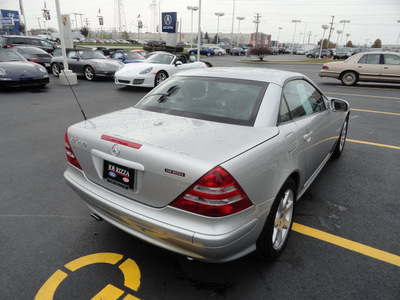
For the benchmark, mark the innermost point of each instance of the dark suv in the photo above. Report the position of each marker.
(8, 41)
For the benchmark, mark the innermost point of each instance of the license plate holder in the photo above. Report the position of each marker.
(118, 175)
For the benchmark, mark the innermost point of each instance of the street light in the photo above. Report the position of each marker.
(324, 27)
(218, 15)
(344, 23)
(398, 38)
(347, 37)
(279, 34)
(237, 38)
(339, 32)
(294, 33)
(192, 8)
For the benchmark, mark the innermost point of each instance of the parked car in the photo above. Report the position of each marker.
(153, 43)
(365, 66)
(238, 51)
(156, 68)
(210, 163)
(16, 71)
(86, 62)
(274, 50)
(343, 53)
(9, 41)
(218, 51)
(34, 54)
(315, 53)
(106, 51)
(203, 51)
(143, 53)
(300, 51)
(127, 57)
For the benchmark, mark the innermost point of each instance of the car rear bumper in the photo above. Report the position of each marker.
(330, 74)
(163, 226)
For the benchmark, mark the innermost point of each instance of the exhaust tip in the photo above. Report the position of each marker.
(96, 217)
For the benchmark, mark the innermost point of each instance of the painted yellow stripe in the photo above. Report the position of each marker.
(375, 111)
(47, 290)
(348, 244)
(367, 96)
(130, 297)
(110, 292)
(367, 88)
(131, 274)
(373, 144)
(108, 258)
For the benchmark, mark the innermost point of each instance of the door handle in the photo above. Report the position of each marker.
(386, 68)
(307, 137)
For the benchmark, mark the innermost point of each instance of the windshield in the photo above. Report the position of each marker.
(134, 56)
(215, 99)
(9, 55)
(344, 50)
(160, 58)
(91, 54)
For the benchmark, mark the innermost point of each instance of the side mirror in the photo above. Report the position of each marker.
(178, 63)
(339, 105)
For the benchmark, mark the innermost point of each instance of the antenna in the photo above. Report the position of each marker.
(76, 98)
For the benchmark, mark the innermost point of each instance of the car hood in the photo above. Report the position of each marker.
(202, 140)
(108, 63)
(137, 68)
(21, 69)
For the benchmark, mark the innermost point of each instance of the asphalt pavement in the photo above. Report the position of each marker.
(50, 246)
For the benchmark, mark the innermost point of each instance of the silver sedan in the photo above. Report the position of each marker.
(211, 162)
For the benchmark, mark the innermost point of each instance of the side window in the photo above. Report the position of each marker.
(20, 41)
(45, 43)
(35, 42)
(391, 59)
(72, 54)
(284, 114)
(369, 59)
(302, 98)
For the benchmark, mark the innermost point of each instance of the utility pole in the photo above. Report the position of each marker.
(257, 21)
(309, 36)
(330, 31)
(87, 23)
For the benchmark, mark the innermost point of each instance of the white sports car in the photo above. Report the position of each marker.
(155, 69)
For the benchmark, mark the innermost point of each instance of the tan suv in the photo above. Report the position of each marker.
(365, 66)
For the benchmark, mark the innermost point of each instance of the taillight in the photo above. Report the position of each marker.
(70, 154)
(325, 67)
(9, 47)
(216, 194)
(34, 59)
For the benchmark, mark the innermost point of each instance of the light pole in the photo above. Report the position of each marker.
(294, 33)
(279, 34)
(192, 8)
(324, 27)
(233, 19)
(237, 39)
(398, 38)
(339, 32)
(344, 23)
(347, 37)
(218, 15)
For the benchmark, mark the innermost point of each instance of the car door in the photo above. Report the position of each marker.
(369, 67)
(391, 68)
(317, 130)
(73, 61)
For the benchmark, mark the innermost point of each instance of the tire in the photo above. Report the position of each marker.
(89, 73)
(191, 52)
(323, 56)
(208, 54)
(277, 228)
(55, 69)
(160, 77)
(219, 53)
(349, 78)
(58, 41)
(342, 140)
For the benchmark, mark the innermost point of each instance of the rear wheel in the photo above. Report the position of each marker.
(277, 228)
(219, 53)
(55, 69)
(349, 78)
(89, 73)
(208, 54)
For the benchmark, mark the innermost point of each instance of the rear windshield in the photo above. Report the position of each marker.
(213, 99)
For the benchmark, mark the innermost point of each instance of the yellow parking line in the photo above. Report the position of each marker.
(348, 244)
(373, 144)
(367, 96)
(377, 112)
(368, 88)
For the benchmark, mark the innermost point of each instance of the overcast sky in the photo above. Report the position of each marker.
(369, 19)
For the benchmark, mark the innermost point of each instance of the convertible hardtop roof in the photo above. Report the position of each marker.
(257, 74)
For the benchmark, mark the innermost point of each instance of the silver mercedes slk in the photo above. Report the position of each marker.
(210, 163)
